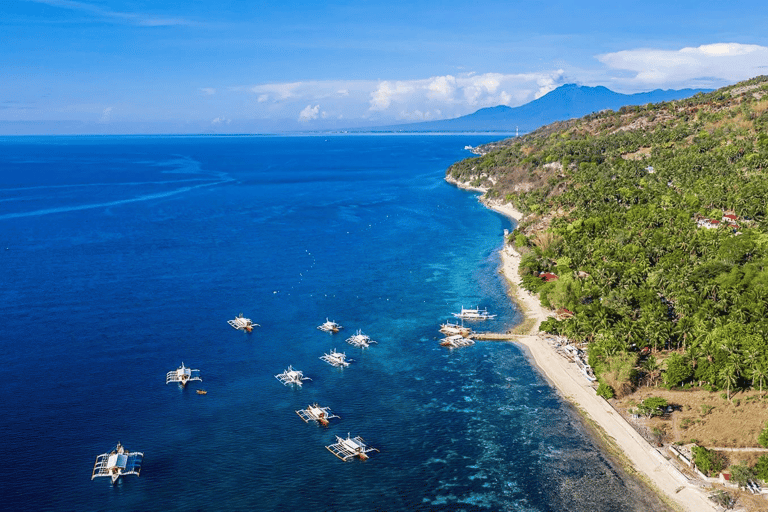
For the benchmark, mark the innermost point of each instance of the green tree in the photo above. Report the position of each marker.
(653, 406)
(678, 371)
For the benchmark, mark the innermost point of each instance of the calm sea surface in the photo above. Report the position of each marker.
(121, 257)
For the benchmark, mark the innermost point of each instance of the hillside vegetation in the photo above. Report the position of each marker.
(655, 221)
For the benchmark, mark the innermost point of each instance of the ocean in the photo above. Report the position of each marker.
(122, 257)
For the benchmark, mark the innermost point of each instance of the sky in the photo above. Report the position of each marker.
(226, 66)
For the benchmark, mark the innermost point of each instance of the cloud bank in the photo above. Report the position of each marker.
(446, 96)
(716, 64)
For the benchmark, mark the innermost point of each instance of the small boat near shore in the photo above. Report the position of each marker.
(291, 376)
(329, 326)
(360, 340)
(117, 463)
(337, 359)
(474, 314)
(202, 392)
(317, 414)
(350, 447)
(183, 375)
(452, 329)
(242, 324)
(456, 341)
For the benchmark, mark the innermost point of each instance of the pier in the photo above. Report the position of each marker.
(494, 336)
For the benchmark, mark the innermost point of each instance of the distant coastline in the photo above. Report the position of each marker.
(566, 378)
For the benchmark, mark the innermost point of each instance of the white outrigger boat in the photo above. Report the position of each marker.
(360, 340)
(329, 326)
(242, 324)
(316, 413)
(453, 329)
(183, 375)
(291, 376)
(350, 447)
(117, 463)
(337, 359)
(474, 314)
(457, 341)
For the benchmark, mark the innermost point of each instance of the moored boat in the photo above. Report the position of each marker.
(360, 340)
(474, 314)
(329, 326)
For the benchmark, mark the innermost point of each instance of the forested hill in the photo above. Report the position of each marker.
(655, 221)
(566, 102)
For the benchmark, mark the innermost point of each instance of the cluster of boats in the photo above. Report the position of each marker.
(120, 462)
(457, 335)
(344, 448)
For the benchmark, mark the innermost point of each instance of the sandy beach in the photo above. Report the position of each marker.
(570, 382)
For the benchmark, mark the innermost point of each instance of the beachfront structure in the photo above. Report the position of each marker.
(456, 341)
(291, 376)
(360, 340)
(329, 326)
(350, 447)
(337, 359)
(242, 324)
(474, 314)
(317, 414)
(182, 375)
(117, 463)
(452, 329)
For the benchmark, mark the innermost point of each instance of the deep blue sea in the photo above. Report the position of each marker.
(121, 257)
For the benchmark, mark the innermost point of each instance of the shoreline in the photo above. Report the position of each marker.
(657, 472)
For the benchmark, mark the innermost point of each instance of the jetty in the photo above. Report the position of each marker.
(494, 336)
(317, 414)
(350, 447)
(117, 463)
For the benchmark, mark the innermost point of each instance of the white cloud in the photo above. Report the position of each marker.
(208, 91)
(221, 120)
(130, 18)
(106, 115)
(310, 113)
(387, 92)
(441, 88)
(276, 92)
(717, 63)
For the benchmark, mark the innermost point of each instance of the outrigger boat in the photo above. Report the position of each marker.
(457, 341)
(360, 340)
(453, 329)
(291, 376)
(337, 359)
(329, 326)
(316, 413)
(117, 463)
(350, 447)
(183, 375)
(242, 324)
(474, 314)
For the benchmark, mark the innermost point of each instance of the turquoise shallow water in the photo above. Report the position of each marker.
(124, 256)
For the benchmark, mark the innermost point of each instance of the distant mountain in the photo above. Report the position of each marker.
(566, 102)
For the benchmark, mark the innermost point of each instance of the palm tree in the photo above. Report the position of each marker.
(729, 375)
